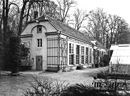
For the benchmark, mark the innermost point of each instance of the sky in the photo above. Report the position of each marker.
(117, 7)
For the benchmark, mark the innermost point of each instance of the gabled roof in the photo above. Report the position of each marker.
(65, 29)
(69, 31)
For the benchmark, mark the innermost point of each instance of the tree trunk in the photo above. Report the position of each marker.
(5, 28)
(21, 19)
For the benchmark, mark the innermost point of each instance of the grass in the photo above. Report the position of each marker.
(14, 86)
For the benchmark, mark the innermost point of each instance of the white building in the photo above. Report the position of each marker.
(54, 45)
(120, 54)
(120, 58)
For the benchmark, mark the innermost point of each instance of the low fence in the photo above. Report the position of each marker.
(111, 85)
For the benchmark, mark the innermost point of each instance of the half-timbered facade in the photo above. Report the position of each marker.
(56, 46)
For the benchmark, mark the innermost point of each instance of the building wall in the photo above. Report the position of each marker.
(76, 42)
(39, 51)
(34, 49)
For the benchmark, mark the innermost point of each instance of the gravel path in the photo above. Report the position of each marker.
(77, 76)
(15, 86)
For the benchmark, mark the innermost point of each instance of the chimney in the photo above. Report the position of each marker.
(35, 14)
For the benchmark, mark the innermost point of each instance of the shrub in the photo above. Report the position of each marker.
(50, 87)
(14, 53)
(83, 90)
(106, 60)
(45, 87)
(24, 51)
(24, 56)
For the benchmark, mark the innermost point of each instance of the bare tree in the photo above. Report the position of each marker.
(24, 3)
(107, 29)
(64, 7)
(97, 25)
(118, 27)
(5, 26)
(7, 5)
(1, 12)
(5, 17)
(1, 20)
(13, 18)
(79, 18)
(45, 7)
(50, 8)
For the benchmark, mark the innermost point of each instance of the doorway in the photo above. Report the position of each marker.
(38, 62)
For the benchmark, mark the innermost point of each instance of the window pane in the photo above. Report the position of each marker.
(71, 53)
(77, 54)
(71, 59)
(82, 55)
(86, 51)
(77, 49)
(82, 50)
(69, 47)
(82, 59)
(87, 54)
(77, 59)
(86, 59)
(90, 56)
(39, 42)
(72, 48)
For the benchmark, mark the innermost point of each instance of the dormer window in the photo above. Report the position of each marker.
(39, 29)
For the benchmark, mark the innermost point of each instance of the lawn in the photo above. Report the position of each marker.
(15, 86)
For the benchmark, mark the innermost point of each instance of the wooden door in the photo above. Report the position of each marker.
(38, 62)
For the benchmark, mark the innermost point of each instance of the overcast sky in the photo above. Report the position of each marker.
(117, 7)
